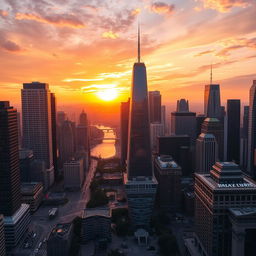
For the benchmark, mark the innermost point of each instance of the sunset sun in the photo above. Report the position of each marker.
(107, 94)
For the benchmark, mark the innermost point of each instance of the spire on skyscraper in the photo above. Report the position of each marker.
(138, 42)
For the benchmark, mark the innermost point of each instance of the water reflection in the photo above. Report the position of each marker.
(107, 148)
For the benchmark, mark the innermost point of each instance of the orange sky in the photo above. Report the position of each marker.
(84, 47)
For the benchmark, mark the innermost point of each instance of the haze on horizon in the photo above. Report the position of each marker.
(83, 49)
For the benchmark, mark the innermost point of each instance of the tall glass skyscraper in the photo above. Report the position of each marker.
(140, 182)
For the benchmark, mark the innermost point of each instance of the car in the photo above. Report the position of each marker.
(36, 250)
(44, 240)
(34, 235)
(40, 244)
(26, 245)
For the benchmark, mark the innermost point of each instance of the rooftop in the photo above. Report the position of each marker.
(61, 230)
(166, 162)
(90, 212)
(30, 187)
(243, 211)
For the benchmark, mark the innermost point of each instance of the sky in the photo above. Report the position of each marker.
(85, 49)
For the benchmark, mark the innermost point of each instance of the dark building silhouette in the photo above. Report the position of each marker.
(26, 159)
(124, 125)
(54, 135)
(199, 122)
(10, 196)
(155, 106)
(251, 166)
(215, 127)
(233, 130)
(2, 239)
(179, 147)
(82, 133)
(244, 140)
(212, 105)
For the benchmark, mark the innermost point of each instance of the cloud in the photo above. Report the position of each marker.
(204, 53)
(62, 20)
(68, 80)
(110, 34)
(162, 8)
(8, 45)
(3, 13)
(225, 5)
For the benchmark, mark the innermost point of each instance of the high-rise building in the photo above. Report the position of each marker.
(212, 105)
(163, 119)
(156, 130)
(214, 126)
(244, 140)
(37, 123)
(2, 239)
(140, 183)
(124, 125)
(251, 166)
(10, 196)
(16, 215)
(199, 122)
(61, 117)
(19, 129)
(225, 208)
(155, 107)
(26, 159)
(168, 174)
(183, 122)
(67, 141)
(233, 130)
(54, 135)
(206, 152)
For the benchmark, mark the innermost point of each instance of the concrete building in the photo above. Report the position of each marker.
(2, 239)
(168, 174)
(215, 127)
(16, 225)
(37, 123)
(73, 174)
(96, 224)
(222, 197)
(154, 106)
(32, 194)
(206, 152)
(251, 165)
(156, 130)
(140, 183)
(183, 122)
(233, 130)
(59, 240)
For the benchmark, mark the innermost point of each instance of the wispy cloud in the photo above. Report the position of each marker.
(69, 80)
(110, 34)
(161, 7)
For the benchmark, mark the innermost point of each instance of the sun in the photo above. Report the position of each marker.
(107, 94)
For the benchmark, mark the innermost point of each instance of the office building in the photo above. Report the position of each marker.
(233, 130)
(156, 130)
(61, 117)
(59, 240)
(67, 142)
(199, 122)
(179, 147)
(124, 125)
(32, 194)
(163, 119)
(2, 239)
(251, 165)
(73, 174)
(206, 152)
(19, 129)
(26, 158)
(244, 140)
(37, 123)
(140, 184)
(54, 136)
(155, 107)
(221, 196)
(96, 224)
(10, 196)
(214, 126)
(183, 122)
(168, 174)
(212, 105)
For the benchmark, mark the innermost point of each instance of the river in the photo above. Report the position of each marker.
(107, 148)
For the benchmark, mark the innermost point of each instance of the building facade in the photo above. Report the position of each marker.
(212, 105)
(156, 130)
(155, 106)
(2, 239)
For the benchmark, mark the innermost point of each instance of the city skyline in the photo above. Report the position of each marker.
(75, 33)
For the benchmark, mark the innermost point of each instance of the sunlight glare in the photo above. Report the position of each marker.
(108, 94)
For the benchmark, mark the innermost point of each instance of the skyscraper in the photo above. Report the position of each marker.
(10, 196)
(82, 133)
(206, 152)
(251, 166)
(212, 107)
(233, 130)
(124, 125)
(156, 130)
(155, 106)
(54, 135)
(244, 140)
(140, 183)
(16, 215)
(183, 122)
(2, 239)
(214, 126)
(37, 123)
